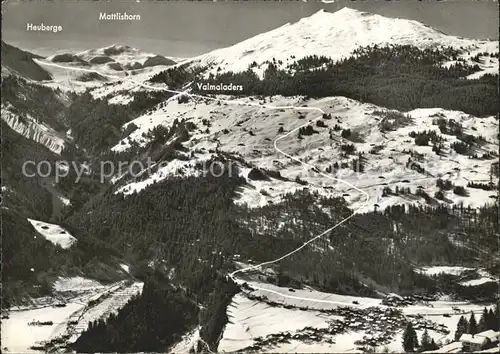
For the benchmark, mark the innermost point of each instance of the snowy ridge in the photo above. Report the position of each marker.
(122, 54)
(435, 270)
(174, 168)
(333, 35)
(21, 63)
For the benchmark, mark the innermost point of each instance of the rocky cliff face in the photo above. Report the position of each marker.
(31, 129)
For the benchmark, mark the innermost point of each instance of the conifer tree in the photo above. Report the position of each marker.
(433, 345)
(425, 342)
(472, 324)
(410, 340)
(493, 320)
(462, 327)
(483, 325)
(490, 318)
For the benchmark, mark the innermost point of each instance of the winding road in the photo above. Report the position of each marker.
(242, 103)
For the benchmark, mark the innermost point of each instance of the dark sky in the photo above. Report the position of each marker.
(187, 28)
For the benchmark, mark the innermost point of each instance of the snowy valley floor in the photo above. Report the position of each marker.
(84, 301)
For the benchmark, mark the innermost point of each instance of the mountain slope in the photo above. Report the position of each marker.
(34, 111)
(333, 35)
(191, 228)
(20, 193)
(249, 132)
(20, 62)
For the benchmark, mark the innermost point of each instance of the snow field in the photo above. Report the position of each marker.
(249, 319)
(54, 233)
(77, 292)
(18, 336)
(484, 276)
(312, 299)
(187, 343)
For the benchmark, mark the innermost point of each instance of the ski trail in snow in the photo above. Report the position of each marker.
(238, 102)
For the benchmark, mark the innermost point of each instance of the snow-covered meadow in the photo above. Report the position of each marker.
(249, 131)
(283, 315)
(54, 233)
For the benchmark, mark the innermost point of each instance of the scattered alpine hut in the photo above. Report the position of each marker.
(479, 341)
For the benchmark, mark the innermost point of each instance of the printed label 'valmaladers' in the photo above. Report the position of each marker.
(219, 87)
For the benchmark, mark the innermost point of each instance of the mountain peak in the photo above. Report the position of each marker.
(335, 35)
(117, 49)
(345, 12)
(351, 12)
(348, 18)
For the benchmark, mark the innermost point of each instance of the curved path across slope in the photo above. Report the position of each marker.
(237, 102)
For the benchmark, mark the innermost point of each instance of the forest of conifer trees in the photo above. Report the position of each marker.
(182, 234)
(397, 76)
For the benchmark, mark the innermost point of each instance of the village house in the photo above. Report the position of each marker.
(476, 342)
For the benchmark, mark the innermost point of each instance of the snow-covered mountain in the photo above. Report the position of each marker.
(249, 131)
(335, 35)
(117, 57)
(395, 170)
(97, 68)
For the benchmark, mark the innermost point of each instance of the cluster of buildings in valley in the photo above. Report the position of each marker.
(380, 325)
